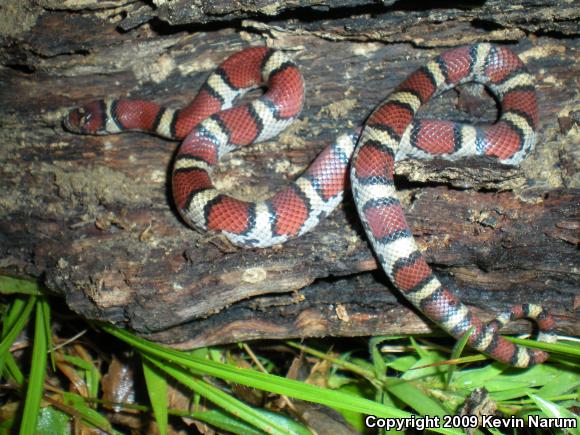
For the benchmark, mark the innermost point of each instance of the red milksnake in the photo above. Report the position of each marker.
(211, 126)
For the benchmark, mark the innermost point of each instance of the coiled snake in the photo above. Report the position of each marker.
(211, 126)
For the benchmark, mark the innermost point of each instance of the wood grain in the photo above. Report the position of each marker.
(93, 216)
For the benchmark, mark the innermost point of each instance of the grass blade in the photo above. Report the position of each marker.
(250, 378)
(13, 313)
(225, 422)
(554, 348)
(18, 323)
(48, 330)
(271, 383)
(220, 398)
(10, 285)
(12, 371)
(76, 405)
(92, 375)
(457, 350)
(406, 392)
(37, 372)
(157, 390)
(555, 411)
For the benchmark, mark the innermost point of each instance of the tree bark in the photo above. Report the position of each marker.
(93, 216)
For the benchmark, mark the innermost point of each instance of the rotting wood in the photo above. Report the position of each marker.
(93, 217)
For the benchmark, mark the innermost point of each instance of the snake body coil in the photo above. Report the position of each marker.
(211, 126)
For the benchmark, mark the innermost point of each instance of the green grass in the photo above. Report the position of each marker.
(67, 394)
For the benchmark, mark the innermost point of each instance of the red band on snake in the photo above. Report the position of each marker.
(211, 126)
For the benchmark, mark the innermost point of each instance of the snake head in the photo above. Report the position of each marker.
(88, 119)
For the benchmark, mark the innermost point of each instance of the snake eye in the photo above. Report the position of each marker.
(87, 119)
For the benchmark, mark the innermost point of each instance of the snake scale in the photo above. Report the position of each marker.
(213, 125)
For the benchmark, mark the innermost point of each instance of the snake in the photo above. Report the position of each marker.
(216, 123)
